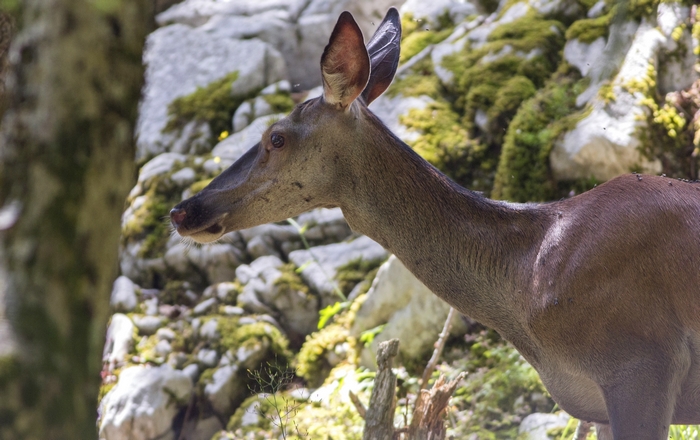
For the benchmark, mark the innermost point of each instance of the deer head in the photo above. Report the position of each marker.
(301, 161)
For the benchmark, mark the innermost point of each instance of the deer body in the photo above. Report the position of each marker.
(600, 292)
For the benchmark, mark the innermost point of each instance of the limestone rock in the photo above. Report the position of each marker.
(148, 325)
(143, 403)
(322, 226)
(123, 298)
(209, 331)
(225, 291)
(536, 425)
(217, 261)
(227, 383)
(411, 312)
(390, 109)
(321, 263)
(198, 12)
(119, 340)
(432, 11)
(297, 311)
(582, 55)
(234, 146)
(204, 307)
(179, 59)
(604, 144)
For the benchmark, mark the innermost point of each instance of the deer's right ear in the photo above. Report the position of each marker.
(384, 49)
(345, 63)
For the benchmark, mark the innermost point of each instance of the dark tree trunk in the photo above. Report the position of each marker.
(66, 165)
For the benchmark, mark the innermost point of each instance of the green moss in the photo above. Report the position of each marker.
(149, 223)
(200, 185)
(523, 171)
(146, 350)
(234, 336)
(498, 76)
(290, 280)
(417, 41)
(590, 29)
(509, 97)
(421, 81)
(355, 271)
(587, 4)
(281, 102)
(445, 142)
(667, 136)
(490, 82)
(311, 361)
(641, 8)
(257, 404)
(205, 378)
(214, 103)
(107, 387)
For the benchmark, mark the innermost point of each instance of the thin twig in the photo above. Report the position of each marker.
(439, 346)
(359, 406)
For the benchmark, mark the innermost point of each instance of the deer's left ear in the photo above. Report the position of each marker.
(384, 51)
(345, 63)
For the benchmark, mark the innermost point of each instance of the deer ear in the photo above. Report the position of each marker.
(384, 49)
(345, 63)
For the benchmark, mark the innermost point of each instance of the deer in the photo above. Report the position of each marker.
(599, 292)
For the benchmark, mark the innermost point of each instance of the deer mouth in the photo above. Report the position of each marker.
(205, 235)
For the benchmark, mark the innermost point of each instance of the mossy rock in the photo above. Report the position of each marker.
(234, 336)
(356, 271)
(523, 170)
(490, 82)
(446, 143)
(258, 406)
(214, 103)
(281, 102)
(422, 81)
(668, 135)
(417, 34)
(290, 281)
(149, 222)
(311, 362)
(588, 30)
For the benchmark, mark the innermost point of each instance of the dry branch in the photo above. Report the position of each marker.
(379, 419)
(429, 415)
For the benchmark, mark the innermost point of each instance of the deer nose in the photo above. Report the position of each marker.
(177, 216)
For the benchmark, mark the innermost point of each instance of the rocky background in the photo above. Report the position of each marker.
(263, 334)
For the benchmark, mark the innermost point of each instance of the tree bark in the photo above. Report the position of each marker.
(379, 419)
(66, 165)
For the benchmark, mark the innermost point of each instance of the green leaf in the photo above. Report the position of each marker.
(367, 336)
(328, 312)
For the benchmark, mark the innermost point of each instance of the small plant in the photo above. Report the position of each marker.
(278, 408)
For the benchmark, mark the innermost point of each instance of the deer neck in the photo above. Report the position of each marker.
(474, 253)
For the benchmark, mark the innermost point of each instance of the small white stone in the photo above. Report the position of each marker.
(184, 177)
(163, 348)
(165, 334)
(148, 325)
(210, 330)
(192, 371)
(207, 357)
(204, 306)
(123, 298)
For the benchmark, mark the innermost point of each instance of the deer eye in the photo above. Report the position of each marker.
(277, 140)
